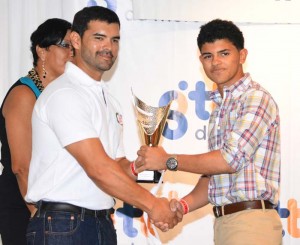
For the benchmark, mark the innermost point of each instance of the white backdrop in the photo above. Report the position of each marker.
(160, 56)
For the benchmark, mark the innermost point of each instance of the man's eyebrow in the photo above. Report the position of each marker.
(102, 35)
(99, 35)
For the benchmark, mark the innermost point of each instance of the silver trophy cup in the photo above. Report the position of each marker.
(151, 121)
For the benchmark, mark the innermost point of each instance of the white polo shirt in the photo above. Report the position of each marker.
(74, 107)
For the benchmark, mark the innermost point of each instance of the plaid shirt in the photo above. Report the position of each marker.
(245, 127)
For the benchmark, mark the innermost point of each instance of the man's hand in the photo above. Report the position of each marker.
(151, 158)
(170, 215)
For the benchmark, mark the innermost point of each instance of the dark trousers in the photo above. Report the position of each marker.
(13, 225)
(51, 227)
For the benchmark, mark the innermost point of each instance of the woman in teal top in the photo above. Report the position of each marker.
(51, 49)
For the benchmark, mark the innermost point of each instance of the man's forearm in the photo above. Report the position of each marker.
(198, 197)
(207, 163)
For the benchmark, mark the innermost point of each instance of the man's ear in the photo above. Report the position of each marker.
(243, 55)
(75, 40)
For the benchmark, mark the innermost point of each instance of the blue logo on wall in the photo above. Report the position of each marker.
(199, 96)
(111, 4)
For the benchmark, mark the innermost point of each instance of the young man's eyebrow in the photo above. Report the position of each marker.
(223, 50)
(220, 51)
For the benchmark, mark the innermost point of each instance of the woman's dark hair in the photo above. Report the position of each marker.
(220, 29)
(51, 32)
(87, 14)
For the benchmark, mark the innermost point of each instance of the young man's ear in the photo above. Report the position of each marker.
(201, 58)
(243, 55)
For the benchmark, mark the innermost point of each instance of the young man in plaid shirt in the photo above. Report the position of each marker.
(241, 173)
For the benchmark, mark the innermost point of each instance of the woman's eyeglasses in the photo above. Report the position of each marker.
(64, 44)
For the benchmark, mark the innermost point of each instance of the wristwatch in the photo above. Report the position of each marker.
(172, 163)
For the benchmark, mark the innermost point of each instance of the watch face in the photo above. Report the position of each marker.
(172, 163)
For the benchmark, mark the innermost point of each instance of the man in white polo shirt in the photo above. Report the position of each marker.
(78, 162)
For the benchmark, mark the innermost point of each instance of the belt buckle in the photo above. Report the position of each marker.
(217, 212)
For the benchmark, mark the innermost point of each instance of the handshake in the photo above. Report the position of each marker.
(166, 214)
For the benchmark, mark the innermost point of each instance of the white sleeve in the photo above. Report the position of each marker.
(69, 116)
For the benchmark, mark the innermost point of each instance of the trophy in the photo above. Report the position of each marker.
(151, 121)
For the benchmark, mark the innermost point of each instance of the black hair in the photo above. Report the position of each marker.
(51, 32)
(87, 14)
(220, 29)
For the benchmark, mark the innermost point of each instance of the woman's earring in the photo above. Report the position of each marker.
(44, 70)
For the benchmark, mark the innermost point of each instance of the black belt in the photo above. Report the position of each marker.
(240, 206)
(66, 207)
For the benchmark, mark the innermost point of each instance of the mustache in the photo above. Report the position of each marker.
(105, 53)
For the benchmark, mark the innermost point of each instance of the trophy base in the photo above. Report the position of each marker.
(148, 176)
